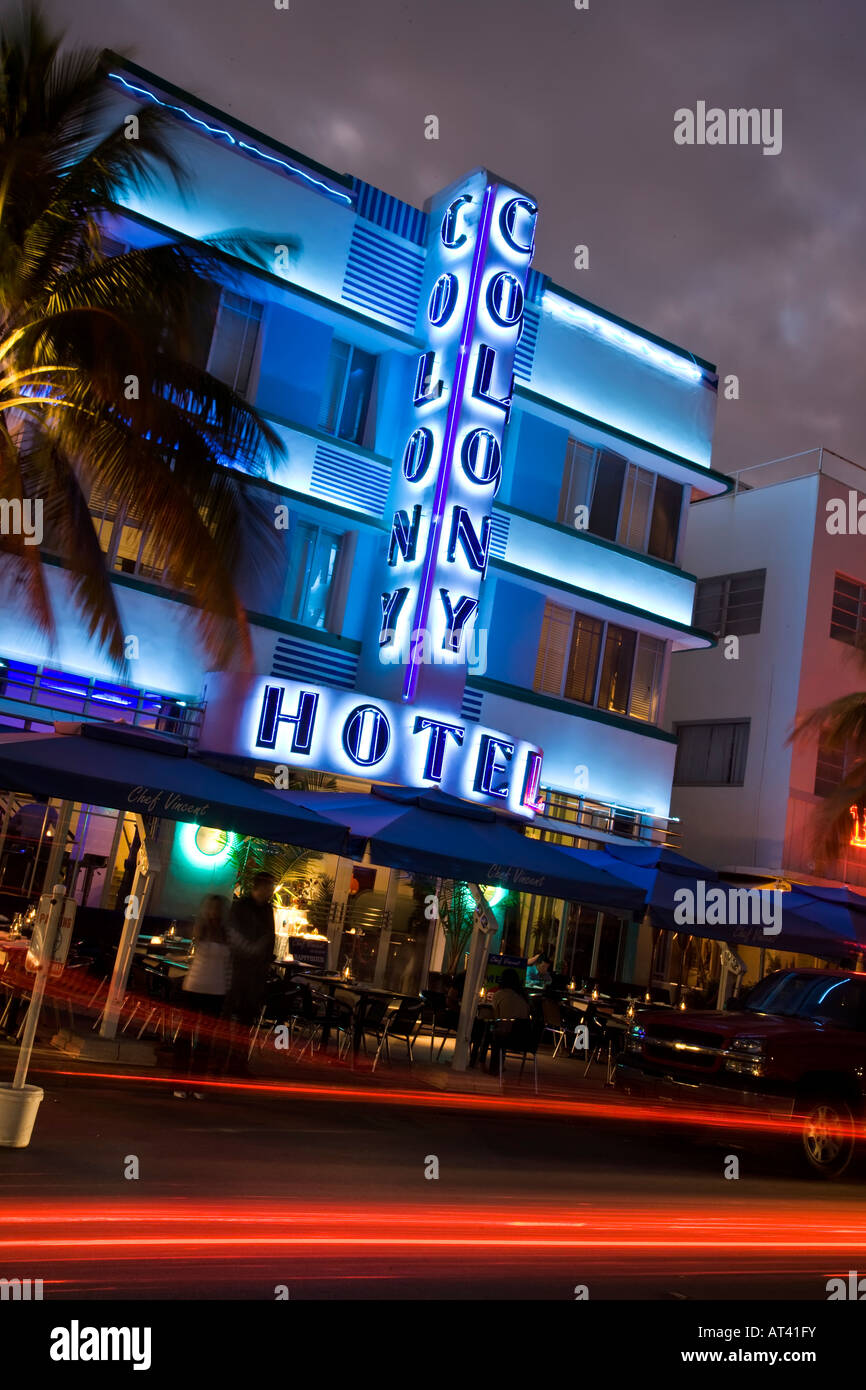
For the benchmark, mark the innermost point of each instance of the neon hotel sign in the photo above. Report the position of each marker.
(439, 545)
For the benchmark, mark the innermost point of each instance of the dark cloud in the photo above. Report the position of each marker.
(755, 262)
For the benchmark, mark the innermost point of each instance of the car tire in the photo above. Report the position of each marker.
(827, 1138)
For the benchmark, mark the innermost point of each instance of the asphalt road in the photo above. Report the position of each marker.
(126, 1192)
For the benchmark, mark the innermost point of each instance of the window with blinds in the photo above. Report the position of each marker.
(578, 480)
(129, 546)
(552, 649)
(848, 618)
(583, 659)
(596, 663)
(712, 755)
(730, 603)
(633, 506)
(647, 680)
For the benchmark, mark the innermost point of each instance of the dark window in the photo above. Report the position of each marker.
(616, 670)
(665, 524)
(579, 942)
(848, 619)
(628, 504)
(730, 603)
(348, 388)
(315, 558)
(609, 942)
(607, 495)
(840, 1001)
(582, 670)
(712, 755)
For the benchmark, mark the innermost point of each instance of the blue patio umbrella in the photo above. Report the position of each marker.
(433, 833)
(658, 872)
(109, 765)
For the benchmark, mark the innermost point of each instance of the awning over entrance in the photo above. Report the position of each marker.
(812, 919)
(108, 765)
(433, 833)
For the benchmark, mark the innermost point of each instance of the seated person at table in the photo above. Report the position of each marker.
(510, 1001)
(540, 971)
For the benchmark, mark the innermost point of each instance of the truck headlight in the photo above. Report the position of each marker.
(745, 1056)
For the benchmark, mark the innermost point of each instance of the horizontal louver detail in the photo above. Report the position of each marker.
(499, 535)
(383, 276)
(524, 355)
(471, 707)
(297, 660)
(351, 481)
(388, 212)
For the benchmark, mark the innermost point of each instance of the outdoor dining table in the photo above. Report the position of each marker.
(365, 993)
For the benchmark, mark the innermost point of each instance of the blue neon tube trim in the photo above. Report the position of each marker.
(242, 144)
(422, 609)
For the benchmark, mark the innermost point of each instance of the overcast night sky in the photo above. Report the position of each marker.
(755, 262)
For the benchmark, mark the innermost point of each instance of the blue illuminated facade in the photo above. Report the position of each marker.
(486, 478)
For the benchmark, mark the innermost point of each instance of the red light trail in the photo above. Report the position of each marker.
(609, 1108)
(89, 1231)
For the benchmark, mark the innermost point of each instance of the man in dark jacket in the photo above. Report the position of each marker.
(250, 936)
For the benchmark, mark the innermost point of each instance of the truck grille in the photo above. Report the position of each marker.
(689, 1048)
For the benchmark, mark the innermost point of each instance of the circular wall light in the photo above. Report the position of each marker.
(205, 846)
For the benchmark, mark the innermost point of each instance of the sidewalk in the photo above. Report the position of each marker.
(559, 1078)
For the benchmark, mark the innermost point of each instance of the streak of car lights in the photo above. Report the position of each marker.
(608, 1109)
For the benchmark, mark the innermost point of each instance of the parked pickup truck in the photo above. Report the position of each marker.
(794, 1045)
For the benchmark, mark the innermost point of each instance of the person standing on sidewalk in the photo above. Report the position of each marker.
(251, 940)
(203, 992)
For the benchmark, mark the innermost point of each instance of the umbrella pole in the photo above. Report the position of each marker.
(484, 924)
(337, 910)
(145, 873)
(384, 946)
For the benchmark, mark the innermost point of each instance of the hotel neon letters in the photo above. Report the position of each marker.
(442, 528)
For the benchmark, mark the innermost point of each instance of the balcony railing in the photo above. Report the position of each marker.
(52, 691)
(580, 815)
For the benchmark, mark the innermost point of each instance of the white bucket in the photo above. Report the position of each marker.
(18, 1114)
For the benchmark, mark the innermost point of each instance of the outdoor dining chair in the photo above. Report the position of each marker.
(440, 1016)
(402, 1022)
(554, 1024)
(521, 1040)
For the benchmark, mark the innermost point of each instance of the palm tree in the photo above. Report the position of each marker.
(99, 390)
(841, 726)
(291, 867)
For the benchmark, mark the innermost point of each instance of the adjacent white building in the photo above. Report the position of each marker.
(781, 568)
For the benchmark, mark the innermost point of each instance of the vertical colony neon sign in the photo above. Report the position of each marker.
(479, 259)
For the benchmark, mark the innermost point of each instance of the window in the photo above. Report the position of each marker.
(129, 547)
(841, 1001)
(348, 387)
(235, 338)
(598, 663)
(583, 659)
(627, 504)
(712, 755)
(832, 767)
(848, 619)
(315, 556)
(730, 603)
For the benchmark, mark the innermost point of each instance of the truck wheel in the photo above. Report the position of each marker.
(827, 1135)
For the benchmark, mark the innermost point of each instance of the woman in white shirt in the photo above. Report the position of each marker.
(204, 989)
